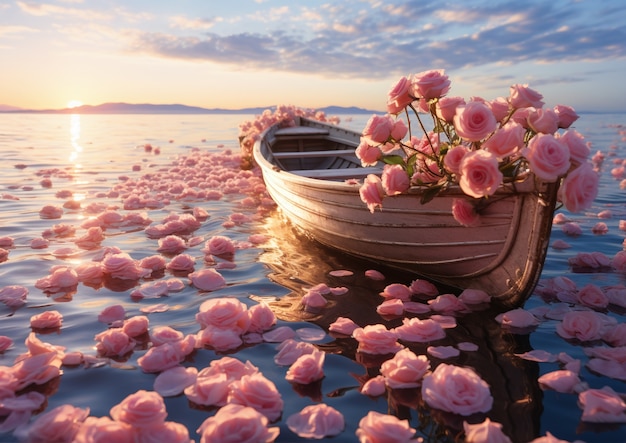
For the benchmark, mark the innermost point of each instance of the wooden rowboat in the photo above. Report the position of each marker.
(306, 170)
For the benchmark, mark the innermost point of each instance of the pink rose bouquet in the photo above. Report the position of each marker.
(477, 145)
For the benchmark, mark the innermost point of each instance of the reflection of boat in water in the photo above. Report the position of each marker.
(298, 263)
(305, 168)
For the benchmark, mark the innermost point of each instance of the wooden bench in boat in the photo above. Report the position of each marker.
(299, 131)
(337, 174)
(311, 154)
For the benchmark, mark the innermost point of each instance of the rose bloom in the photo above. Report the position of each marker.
(566, 115)
(376, 339)
(262, 318)
(521, 96)
(237, 423)
(499, 107)
(456, 389)
(225, 313)
(405, 369)
(136, 326)
(143, 409)
(430, 84)
(480, 175)
(474, 121)
(209, 391)
(423, 287)
(307, 368)
(316, 421)
(398, 97)
(168, 432)
(220, 339)
(395, 179)
(396, 291)
(548, 157)
(453, 158)
(219, 245)
(446, 107)
(581, 325)
(592, 296)
(60, 424)
(114, 342)
(416, 330)
(383, 428)
(378, 129)
(464, 212)
(372, 192)
(517, 318)
(485, 432)
(579, 189)
(160, 358)
(46, 320)
(181, 262)
(602, 406)
(259, 393)
(578, 148)
(368, 154)
(543, 120)
(506, 141)
(104, 430)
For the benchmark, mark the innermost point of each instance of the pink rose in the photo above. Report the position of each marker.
(480, 175)
(464, 212)
(581, 325)
(378, 428)
(506, 141)
(46, 320)
(474, 121)
(500, 108)
(566, 115)
(224, 313)
(398, 97)
(219, 339)
(578, 148)
(453, 158)
(209, 390)
(372, 192)
(485, 432)
(239, 423)
(368, 154)
(405, 369)
(220, 245)
(602, 406)
(430, 84)
(396, 291)
(143, 409)
(262, 318)
(60, 424)
(471, 296)
(423, 287)
(114, 342)
(561, 380)
(579, 188)
(153, 262)
(173, 381)
(170, 432)
(5, 343)
(390, 308)
(343, 325)
(160, 358)
(136, 326)
(543, 120)
(517, 318)
(103, 429)
(378, 129)
(456, 389)
(592, 296)
(394, 179)
(376, 339)
(446, 107)
(521, 96)
(51, 212)
(181, 263)
(421, 331)
(165, 334)
(307, 368)
(259, 393)
(548, 157)
(316, 421)
(207, 279)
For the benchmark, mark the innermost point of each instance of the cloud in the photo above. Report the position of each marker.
(15, 30)
(182, 22)
(44, 9)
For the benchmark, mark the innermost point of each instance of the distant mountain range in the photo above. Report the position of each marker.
(147, 108)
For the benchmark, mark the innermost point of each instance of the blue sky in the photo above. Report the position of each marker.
(237, 53)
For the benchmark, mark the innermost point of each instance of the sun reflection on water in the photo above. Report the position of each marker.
(77, 149)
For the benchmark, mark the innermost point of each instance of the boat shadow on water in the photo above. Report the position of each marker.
(298, 263)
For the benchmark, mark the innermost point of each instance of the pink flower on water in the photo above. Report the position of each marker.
(207, 279)
(136, 326)
(592, 296)
(372, 192)
(316, 421)
(423, 287)
(219, 339)
(374, 387)
(456, 389)
(60, 277)
(13, 296)
(517, 318)
(430, 84)
(171, 244)
(239, 423)
(290, 350)
(579, 188)
(472, 296)
(391, 307)
(421, 331)
(114, 343)
(307, 368)
(143, 409)
(173, 381)
(153, 262)
(122, 266)
(394, 179)
(602, 406)
(101, 429)
(396, 291)
(581, 325)
(224, 313)
(47, 320)
(259, 393)
(378, 428)
(376, 339)
(219, 245)
(480, 175)
(5, 343)
(562, 380)
(181, 263)
(51, 212)
(464, 212)
(486, 432)
(262, 318)
(405, 369)
(548, 157)
(60, 424)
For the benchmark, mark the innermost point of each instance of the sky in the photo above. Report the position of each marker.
(309, 53)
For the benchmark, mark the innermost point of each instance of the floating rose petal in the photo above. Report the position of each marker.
(467, 346)
(443, 352)
(341, 273)
(316, 421)
(343, 325)
(207, 279)
(538, 356)
(373, 274)
(279, 334)
(173, 381)
(161, 307)
(374, 387)
(112, 313)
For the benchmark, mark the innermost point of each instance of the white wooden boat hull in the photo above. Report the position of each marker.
(503, 256)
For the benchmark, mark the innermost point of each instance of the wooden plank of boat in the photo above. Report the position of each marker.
(503, 256)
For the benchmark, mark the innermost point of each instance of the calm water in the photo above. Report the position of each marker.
(90, 155)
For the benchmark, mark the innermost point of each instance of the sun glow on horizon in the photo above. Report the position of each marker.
(74, 104)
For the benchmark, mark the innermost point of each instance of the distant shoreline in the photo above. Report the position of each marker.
(129, 108)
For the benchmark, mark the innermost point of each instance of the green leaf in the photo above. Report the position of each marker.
(430, 193)
(393, 159)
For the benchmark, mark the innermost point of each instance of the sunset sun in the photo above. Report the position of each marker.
(74, 103)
